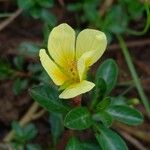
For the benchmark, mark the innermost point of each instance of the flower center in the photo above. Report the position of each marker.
(72, 71)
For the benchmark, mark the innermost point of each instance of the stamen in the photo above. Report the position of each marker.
(72, 71)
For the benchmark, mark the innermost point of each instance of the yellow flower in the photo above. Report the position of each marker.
(71, 57)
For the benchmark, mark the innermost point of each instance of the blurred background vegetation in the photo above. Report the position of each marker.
(24, 29)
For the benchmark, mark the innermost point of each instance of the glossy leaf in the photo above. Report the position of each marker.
(56, 126)
(100, 88)
(27, 4)
(28, 49)
(108, 71)
(19, 85)
(126, 114)
(5, 70)
(73, 144)
(109, 140)
(75, 7)
(24, 134)
(45, 3)
(19, 62)
(48, 17)
(116, 23)
(99, 91)
(89, 145)
(33, 147)
(119, 100)
(103, 104)
(47, 97)
(104, 117)
(35, 12)
(78, 118)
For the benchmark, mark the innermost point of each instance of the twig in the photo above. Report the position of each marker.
(104, 7)
(137, 133)
(133, 141)
(137, 43)
(143, 66)
(5, 146)
(10, 19)
(38, 114)
(25, 119)
(61, 2)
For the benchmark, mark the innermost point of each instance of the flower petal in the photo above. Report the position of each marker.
(76, 89)
(91, 40)
(61, 44)
(51, 68)
(84, 62)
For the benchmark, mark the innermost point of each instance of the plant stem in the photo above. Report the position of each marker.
(25, 119)
(133, 73)
(77, 100)
(10, 19)
(142, 135)
(133, 141)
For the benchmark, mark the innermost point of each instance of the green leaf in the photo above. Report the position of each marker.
(89, 145)
(78, 118)
(100, 88)
(93, 14)
(99, 91)
(75, 7)
(116, 23)
(27, 4)
(24, 134)
(104, 117)
(5, 70)
(30, 131)
(119, 100)
(108, 71)
(33, 147)
(18, 129)
(19, 85)
(134, 8)
(45, 3)
(35, 12)
(48, 17)
(47, 97)
(35, 68)
(103, 104)
(109, 140)
(17, 146)
(57, 128)
(19, 62)
(73, 144)
(28, 49)
(126, 114)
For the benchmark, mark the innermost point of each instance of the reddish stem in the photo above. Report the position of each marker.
(77, 100)
(62, 144)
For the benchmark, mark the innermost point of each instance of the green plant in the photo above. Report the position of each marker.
(97, 115)
(23, 137)
(39, 10)
(101, 109)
